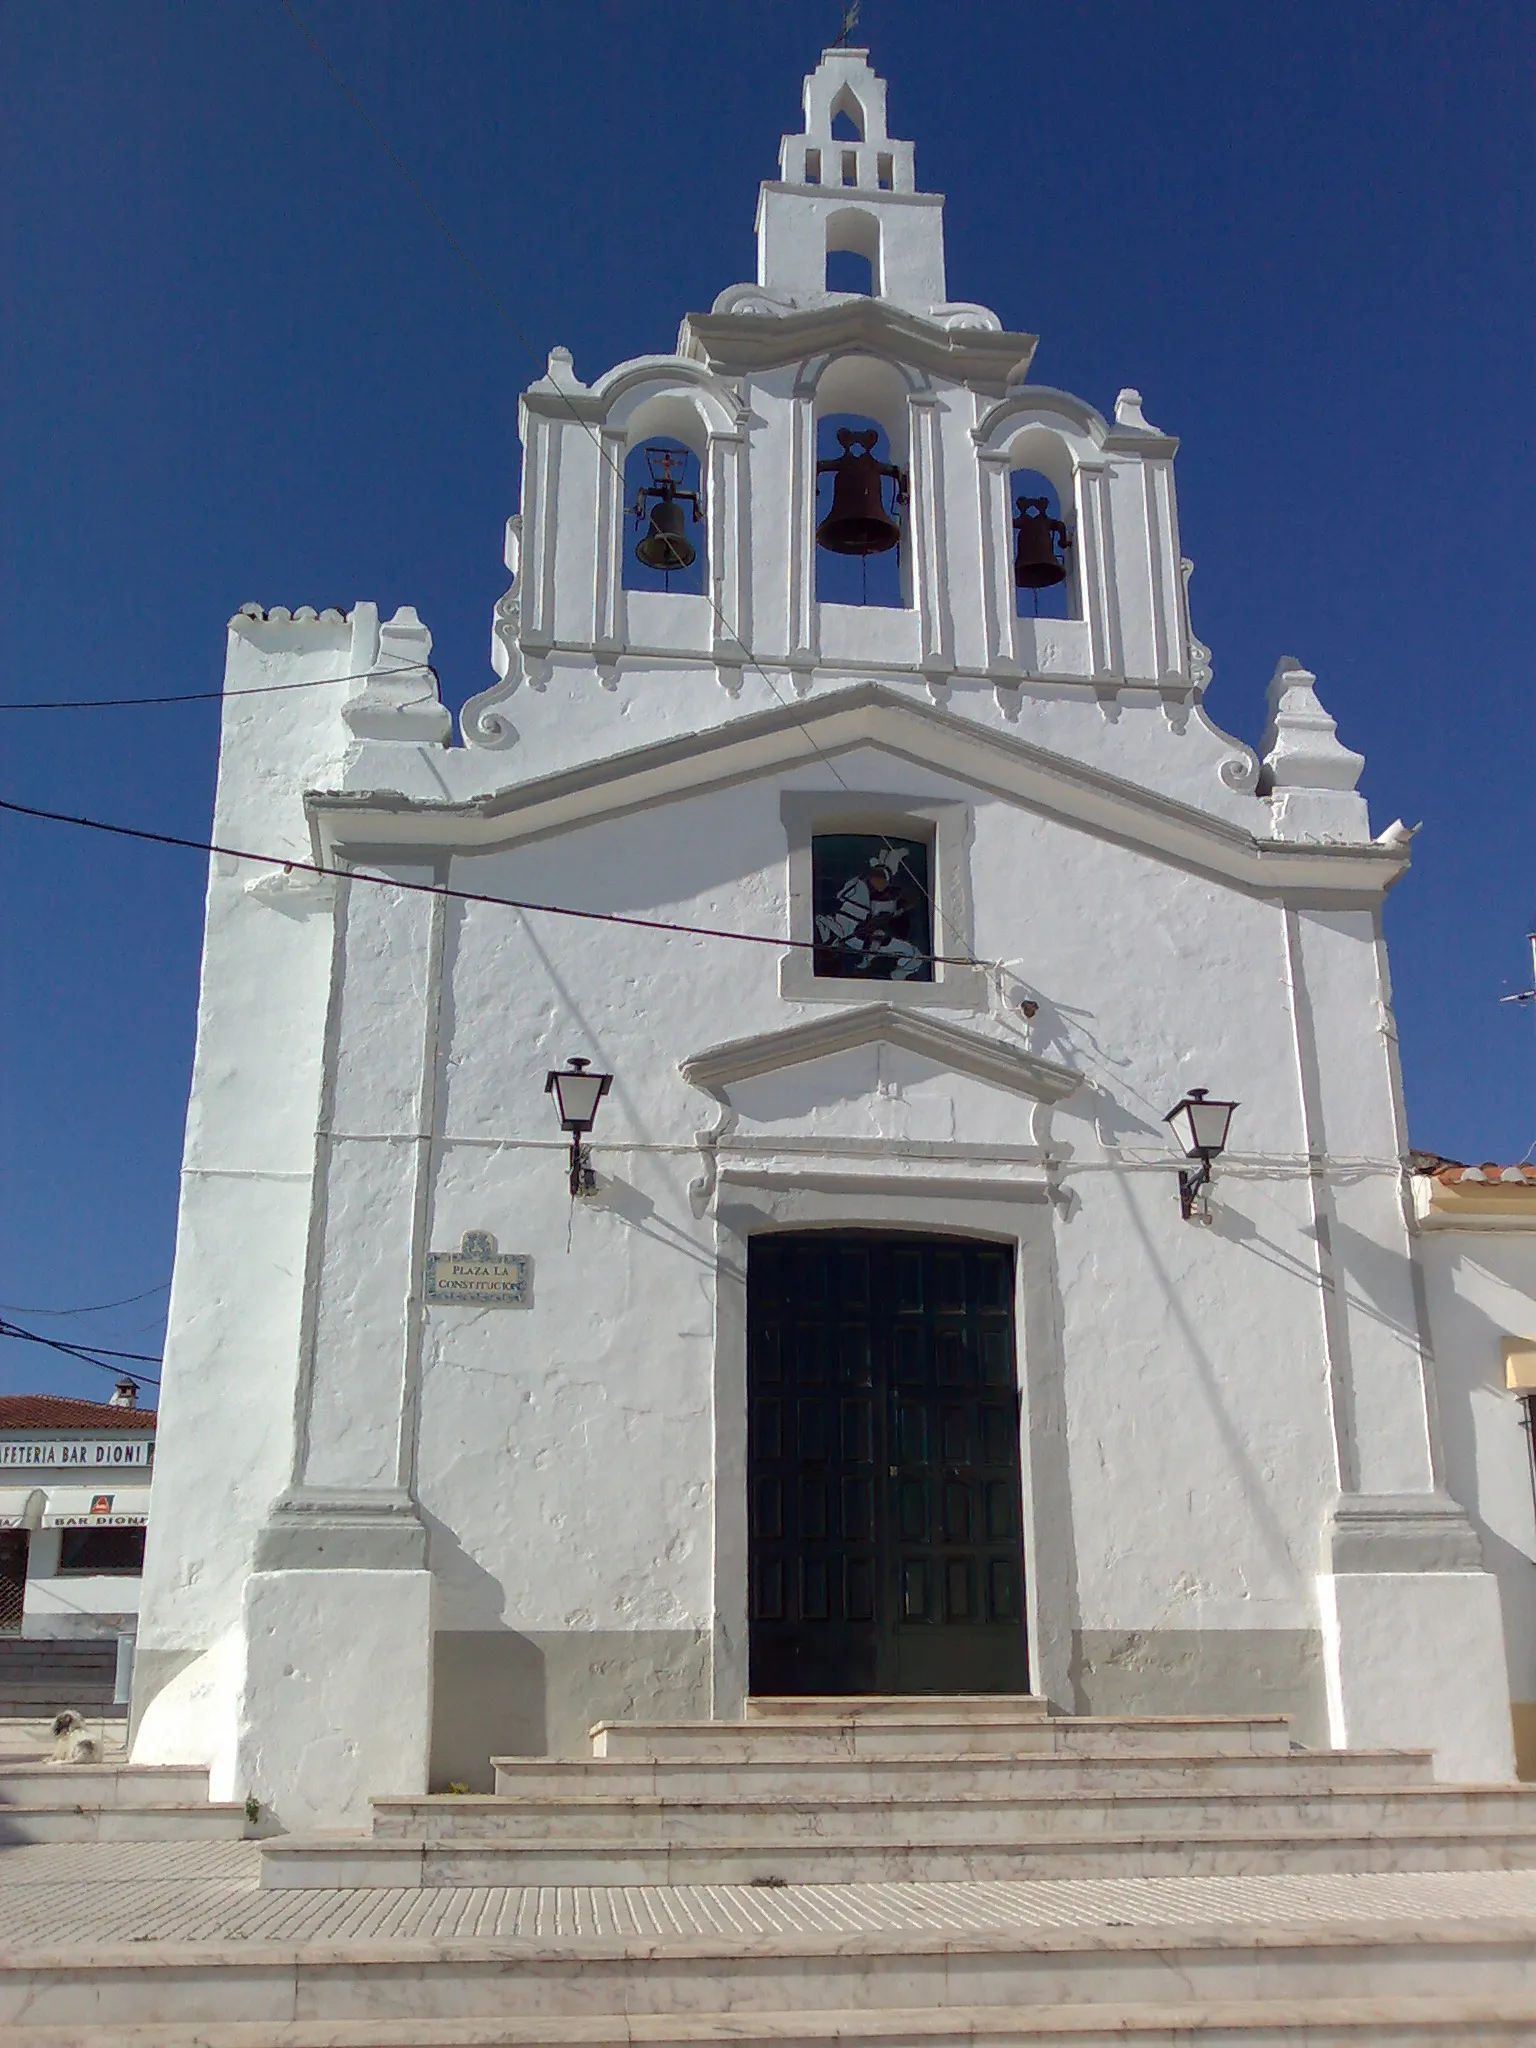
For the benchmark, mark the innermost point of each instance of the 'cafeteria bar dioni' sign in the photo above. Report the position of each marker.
(99, 1454)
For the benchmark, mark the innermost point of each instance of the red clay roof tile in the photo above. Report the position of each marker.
(56, 1411)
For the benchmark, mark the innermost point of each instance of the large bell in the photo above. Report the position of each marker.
(1036, 565)
(666, 545)
(858, 523)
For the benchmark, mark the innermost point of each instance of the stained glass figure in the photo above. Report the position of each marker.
(871, 906)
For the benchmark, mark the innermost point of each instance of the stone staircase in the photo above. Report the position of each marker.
(42, 1675)
(838, 1872)
(909, 1791)
(111, 1802)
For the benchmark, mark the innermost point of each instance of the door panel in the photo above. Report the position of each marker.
(883, 1466)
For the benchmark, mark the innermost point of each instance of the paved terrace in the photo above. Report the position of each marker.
(90, 1897)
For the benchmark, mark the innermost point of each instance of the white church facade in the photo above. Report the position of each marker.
(875, 1351)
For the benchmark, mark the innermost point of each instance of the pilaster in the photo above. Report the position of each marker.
(929, 568)
(1163, 570)
(1412, 1633)
(1096, 567)
(608, 583)
(541, 470)
(729, 541)
(355, 1447)
(998, 601)
(341, 1590)
(802, 530)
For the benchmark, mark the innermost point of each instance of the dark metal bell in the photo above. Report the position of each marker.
(858, 523)
(1036, 565)
(666, 545)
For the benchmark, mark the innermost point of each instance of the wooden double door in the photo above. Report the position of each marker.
(885, 1524)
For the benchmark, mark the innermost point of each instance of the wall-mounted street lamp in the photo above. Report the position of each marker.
(1520, 1378)
(1200, 1126)
(577, 1094)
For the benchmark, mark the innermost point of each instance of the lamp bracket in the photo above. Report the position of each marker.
(583, 1179)
(1194, 1204)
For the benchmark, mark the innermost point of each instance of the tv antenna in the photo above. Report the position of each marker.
(850, 23)
(1526, 995)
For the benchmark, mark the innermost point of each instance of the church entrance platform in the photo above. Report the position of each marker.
(983, 1789)
(919, 1873)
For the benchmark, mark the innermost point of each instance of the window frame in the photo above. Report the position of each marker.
(100, 1571)
(945, 822)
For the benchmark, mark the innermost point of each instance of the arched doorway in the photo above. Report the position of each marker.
(884, 1496)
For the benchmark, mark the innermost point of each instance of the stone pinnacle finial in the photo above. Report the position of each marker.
(1309, 775)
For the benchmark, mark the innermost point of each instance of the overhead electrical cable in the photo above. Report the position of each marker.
(305, 867)
(87, 1356)
(94, 1308)
(749, 661)
(362, 675)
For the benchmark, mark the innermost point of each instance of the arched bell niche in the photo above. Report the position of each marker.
(1038, 542)
(853, 252)
(665, 465)
(663, 518)
(859, 396)
(1041, 468)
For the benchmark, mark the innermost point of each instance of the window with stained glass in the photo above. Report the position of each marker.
(871, 904)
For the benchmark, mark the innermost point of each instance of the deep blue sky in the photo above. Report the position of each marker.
(239, 363)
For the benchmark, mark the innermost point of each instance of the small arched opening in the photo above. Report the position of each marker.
(665, 528)
(847, 117)
(1042, 540)
(853, 252)
(860, 512)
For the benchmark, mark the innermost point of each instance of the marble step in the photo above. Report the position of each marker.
(651, 1822)
(195, 1821)
(34, 1702)
(1298, 1771)
(1366, 2022)
(307, 1861)
(875, 1986)
(108, 1784)
(805, 1737)
(906, 1707)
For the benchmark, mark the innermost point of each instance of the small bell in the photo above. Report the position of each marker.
(665, 545)
(858, 523)
(1036, 565)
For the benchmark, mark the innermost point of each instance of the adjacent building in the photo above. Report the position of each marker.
(849, 803)
(74, 1509)
(1476, 1246)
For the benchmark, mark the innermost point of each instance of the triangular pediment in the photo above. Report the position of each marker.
(952, 1046)
(860, 714)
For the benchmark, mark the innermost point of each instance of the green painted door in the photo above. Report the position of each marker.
(885, 1525)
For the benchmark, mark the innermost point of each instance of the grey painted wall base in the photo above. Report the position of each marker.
(500, 1693)
(1204, 1671)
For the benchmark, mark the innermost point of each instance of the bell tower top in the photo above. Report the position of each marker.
(843, 84)
(844, 184)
